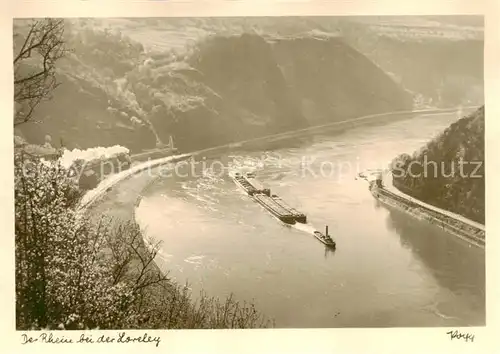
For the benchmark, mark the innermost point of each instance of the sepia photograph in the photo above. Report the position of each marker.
(249, 172)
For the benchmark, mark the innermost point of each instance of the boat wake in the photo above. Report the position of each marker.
(198, 260)
(277, 207)
(307, 228)
(311, 230)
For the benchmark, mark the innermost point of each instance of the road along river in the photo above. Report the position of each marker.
(389, 269)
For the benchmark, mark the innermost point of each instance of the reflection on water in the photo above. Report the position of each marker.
(445, 257)
(388, 269)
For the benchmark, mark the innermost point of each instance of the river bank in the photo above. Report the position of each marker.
(118, 205)
(186, 310)
(391, 269)
(118, 195)
(379, 118)
(221, 244)
(108, 183)
(467, 230)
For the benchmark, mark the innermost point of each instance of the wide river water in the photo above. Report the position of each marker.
(389, 269)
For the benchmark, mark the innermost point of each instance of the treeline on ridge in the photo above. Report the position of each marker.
(449, 172)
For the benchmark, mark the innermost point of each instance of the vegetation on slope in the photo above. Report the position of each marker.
(446, 50)
(449, 171)
(216, 90)
(210, 81)
(74, 274)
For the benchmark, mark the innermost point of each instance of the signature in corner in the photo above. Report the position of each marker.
(467, 337)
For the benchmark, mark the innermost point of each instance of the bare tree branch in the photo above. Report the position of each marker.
(34, 66)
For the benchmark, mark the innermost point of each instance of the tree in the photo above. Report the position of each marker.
(35, 57)
(76, 272)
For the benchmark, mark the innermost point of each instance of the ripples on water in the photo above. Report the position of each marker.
(388, 269)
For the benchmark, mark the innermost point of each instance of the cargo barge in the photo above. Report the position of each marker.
(272, 203)
(298, 216)
(249, 188)
(277, 206)
(275, 209)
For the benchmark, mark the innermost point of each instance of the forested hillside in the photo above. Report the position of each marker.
(135, 82)
(449, 172)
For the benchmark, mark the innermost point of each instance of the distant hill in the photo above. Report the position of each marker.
(208, 81)
(434, 175)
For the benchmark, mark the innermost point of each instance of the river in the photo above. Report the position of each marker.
(388, 269)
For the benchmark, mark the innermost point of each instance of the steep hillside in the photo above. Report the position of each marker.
(439, 63)
(92, 107)
(223, 88)
(438, 59)
(449, 171)
(210, 81)
(331, 80)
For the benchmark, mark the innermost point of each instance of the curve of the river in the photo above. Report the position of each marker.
(388, 270)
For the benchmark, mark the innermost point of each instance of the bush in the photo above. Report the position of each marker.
(72, 273)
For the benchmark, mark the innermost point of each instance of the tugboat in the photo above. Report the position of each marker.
(325, 238)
